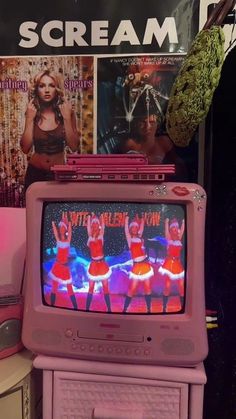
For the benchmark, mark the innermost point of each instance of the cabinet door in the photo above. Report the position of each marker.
(11, 406)
(81, 396)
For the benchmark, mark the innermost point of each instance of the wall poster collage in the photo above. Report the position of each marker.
(88, 81)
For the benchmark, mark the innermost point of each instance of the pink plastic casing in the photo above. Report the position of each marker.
(163, 339)
(106, 159)
(10, 329)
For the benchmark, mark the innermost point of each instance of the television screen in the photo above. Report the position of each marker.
(114, 257)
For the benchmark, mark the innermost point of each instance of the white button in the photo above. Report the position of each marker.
(69, 333)
(82, 347)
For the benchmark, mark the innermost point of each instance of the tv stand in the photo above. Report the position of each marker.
(102, 390)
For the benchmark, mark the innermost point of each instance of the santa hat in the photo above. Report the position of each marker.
(95, 219)
(134, 224)
(63, 224)
(174, 223)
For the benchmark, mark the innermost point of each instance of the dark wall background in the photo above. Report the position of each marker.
(220, 391)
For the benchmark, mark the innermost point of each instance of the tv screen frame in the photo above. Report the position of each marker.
(163, 337)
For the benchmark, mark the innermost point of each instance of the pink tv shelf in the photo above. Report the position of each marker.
(78, 389)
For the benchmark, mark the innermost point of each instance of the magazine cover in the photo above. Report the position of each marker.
(132, 98)
(46, 106)
(133, 90)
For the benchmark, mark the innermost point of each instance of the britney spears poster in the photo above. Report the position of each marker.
(21, 81)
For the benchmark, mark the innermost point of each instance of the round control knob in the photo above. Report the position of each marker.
(82, 347)
(69, 333)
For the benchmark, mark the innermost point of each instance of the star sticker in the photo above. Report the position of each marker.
(161, 190)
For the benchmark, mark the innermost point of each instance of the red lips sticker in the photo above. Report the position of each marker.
(180, 190)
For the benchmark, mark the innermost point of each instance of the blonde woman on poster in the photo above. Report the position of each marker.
(50, 126)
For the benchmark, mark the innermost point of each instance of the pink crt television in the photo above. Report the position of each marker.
(115, 272)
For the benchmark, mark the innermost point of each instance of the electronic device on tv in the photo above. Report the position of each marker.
(112, 173)
(106, 159)
(116, 272)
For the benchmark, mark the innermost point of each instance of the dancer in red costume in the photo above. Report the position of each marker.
(98, 269)
(60, 272)
(141, 271)
(172, 267)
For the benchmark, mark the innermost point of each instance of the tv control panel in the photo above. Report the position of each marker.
(80, 346)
